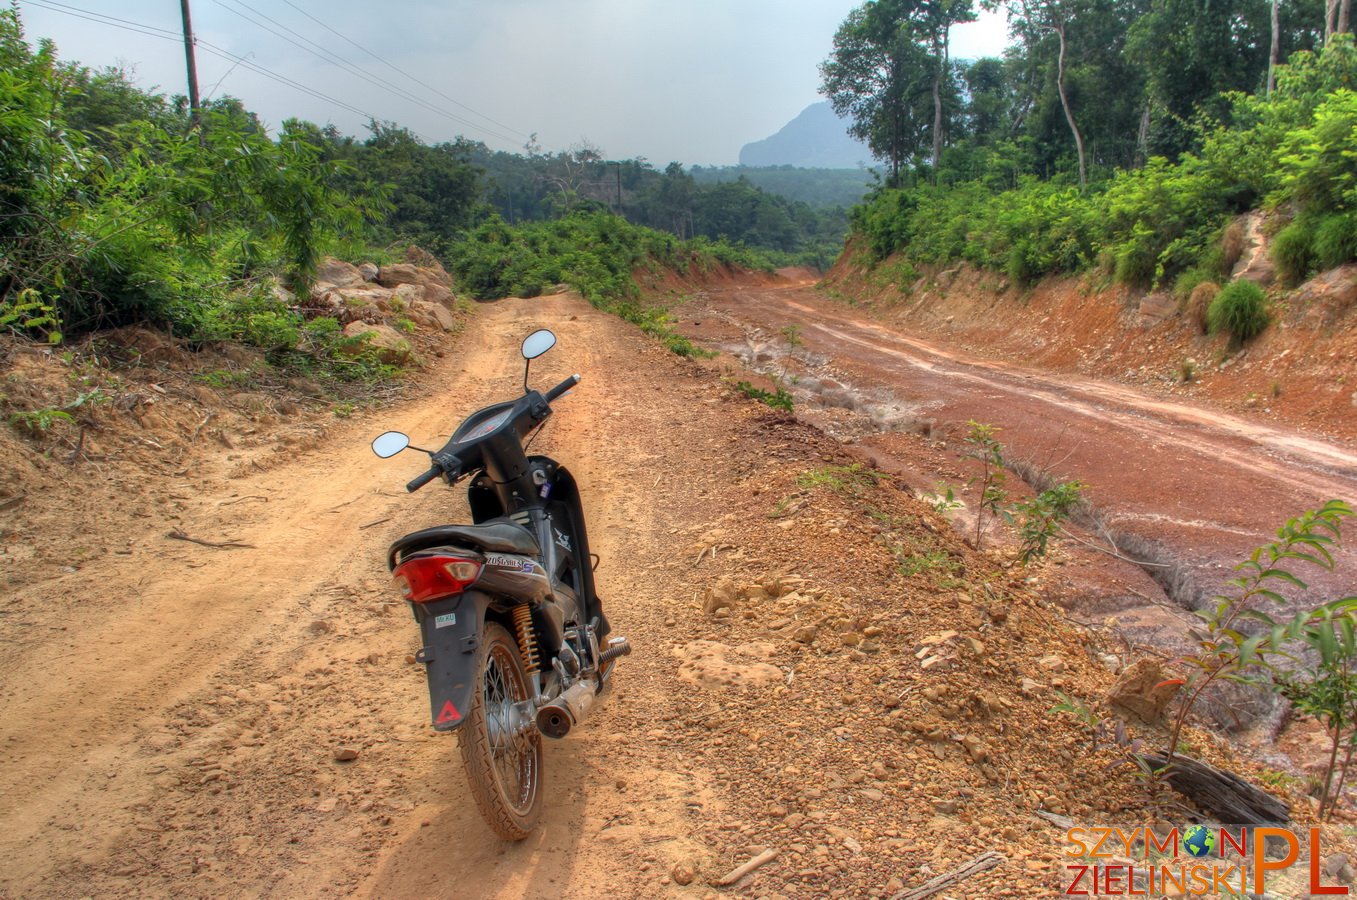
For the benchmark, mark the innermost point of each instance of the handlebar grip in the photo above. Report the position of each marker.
(561, 388)
(423, 479)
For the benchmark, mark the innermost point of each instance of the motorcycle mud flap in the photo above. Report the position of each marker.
(452, 630)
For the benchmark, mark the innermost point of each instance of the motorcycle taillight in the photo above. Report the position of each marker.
(421, 579)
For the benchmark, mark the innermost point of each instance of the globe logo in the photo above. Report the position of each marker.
(1199, 841)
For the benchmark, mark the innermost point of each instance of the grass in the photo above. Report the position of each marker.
(779, 399)
(854, 479)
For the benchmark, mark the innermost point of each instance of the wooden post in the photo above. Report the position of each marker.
(192, 63)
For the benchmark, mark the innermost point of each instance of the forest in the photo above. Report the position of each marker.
(1117, 135)
(122, 206)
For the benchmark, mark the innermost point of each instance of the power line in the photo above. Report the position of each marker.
(281, 79)
(401, 71)
(165, 34)
(113, 22)
(330, 58)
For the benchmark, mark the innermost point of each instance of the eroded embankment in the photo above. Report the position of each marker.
(1164, 516)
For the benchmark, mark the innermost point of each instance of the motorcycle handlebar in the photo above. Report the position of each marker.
(423, 479)
(443, 464)
(561, 388)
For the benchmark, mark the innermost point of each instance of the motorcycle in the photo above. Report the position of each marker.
(496, 598)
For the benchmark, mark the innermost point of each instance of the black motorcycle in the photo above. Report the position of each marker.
(495, 599)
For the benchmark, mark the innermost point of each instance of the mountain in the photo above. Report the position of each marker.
(815, 139)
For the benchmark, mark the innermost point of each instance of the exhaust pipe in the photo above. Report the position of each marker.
(557, 718)
(565, 712)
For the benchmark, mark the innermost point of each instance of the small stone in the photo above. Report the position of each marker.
(1031, 688)
(1052, 663)
(345, 754)
(872, 794)
(683, 873)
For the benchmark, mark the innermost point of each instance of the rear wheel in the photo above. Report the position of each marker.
(501, 746)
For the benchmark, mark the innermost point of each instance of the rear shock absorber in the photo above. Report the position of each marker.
(527, 637)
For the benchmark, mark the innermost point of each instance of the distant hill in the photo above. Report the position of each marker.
(815, 139)
(820, 188)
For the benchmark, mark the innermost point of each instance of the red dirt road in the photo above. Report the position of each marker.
(1194, 487)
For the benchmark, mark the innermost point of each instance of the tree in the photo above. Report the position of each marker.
(881, 76)
(1035, 17)
(937, 18)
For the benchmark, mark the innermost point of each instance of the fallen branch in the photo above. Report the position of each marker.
(982, 863)
(739, 872)
(201, 425)
(372, 524)
(1112, 553)
(243, 499)
(179, 535)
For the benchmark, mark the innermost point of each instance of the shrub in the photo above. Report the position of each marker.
(1189, 281)
(1231, 247)
(1292, 251)
(1199, 302)
(1335, 240)
(1239, 310)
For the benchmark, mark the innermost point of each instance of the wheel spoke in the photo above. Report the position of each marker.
(513, 749)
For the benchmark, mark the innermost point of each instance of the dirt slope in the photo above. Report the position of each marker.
(861, 693)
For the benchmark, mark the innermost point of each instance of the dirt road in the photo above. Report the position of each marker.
(170, 715)
(822, 668)
(1188, 488)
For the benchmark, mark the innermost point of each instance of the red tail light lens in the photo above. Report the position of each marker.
(433, 577)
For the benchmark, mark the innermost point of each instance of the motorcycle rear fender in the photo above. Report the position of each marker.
(452, 629)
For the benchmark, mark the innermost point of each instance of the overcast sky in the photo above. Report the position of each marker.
(682, 80)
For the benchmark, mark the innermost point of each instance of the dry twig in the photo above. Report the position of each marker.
(179, 535)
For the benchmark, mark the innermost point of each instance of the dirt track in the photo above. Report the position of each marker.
(1196, 487)
(171, 710)
(170, 715)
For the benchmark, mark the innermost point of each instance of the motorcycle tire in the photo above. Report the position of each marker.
(502, 756)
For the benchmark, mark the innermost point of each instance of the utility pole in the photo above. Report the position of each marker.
(192, 65)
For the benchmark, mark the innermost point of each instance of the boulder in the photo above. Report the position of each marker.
(368, 271)
(367, 295)
(1157, 307)
(391, 347)
(404, 298)
(430, 268)
(1327, 297)
(335, 273)
(437, 293)
(406, 273)
(1141, 690)
(433, 315)
(397, 274)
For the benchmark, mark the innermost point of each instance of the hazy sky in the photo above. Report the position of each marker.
(682, 80)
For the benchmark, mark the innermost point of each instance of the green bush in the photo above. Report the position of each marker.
(1335, 240)
(1239, 310)
(1293, 251)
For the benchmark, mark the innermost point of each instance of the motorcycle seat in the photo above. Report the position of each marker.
(502, 536)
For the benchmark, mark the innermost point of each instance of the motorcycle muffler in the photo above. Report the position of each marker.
(565, 712)
(557, 718)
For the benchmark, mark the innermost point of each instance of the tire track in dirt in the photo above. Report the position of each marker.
(1153, 467)
(118, 680)
(614, 775)
(169, 722)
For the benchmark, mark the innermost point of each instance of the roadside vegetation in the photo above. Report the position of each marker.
(1118, 137)
(120, 207)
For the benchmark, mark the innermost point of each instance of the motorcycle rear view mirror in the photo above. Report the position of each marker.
(389, 444)
(537, 343)
(534, 345)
